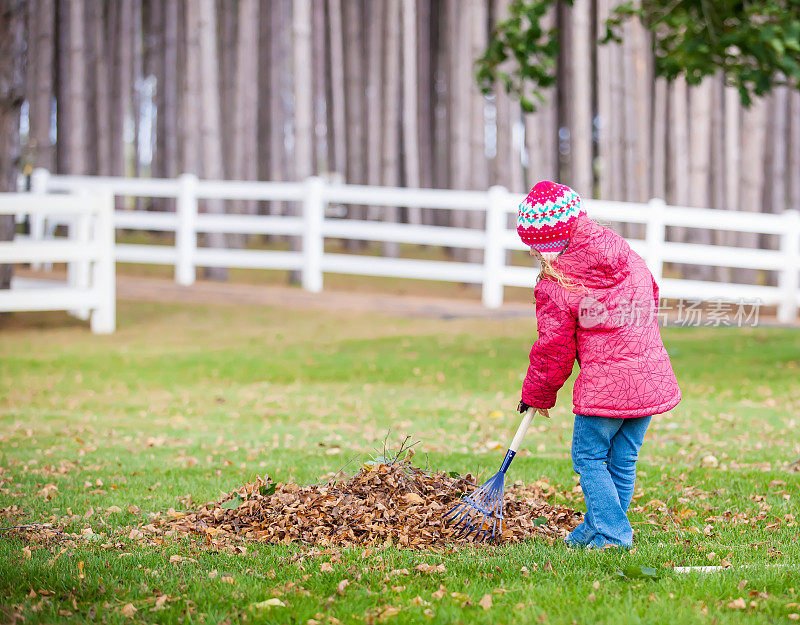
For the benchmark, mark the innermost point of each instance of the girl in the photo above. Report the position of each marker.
(597, 303)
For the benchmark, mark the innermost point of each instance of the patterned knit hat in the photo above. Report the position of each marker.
(546, 216)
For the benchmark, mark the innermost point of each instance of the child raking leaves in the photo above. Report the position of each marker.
(597, 304)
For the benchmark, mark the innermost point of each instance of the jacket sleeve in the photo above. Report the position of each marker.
(553, 353)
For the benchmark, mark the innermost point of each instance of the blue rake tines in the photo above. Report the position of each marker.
(476, 514)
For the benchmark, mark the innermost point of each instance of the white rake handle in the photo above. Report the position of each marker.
(522, 429)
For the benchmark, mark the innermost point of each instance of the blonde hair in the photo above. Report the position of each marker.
(551, 272)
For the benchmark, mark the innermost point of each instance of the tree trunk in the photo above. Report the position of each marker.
(102, 91)
(424, 97)
(775, 163)
(459, 109)
(210, 129)
(678, 188)
(794, 150)
(541, 130)
(641, 79)
(40, 63)
(245, 146)
(136, 93)
(732, 157)
(659, 141)
(581, 99)
(390, 162)
(303, 88)
(190, 139)
(168, 124)
(410, 113)
(76, 89)
(605, 111)
(281, 88)
(700, 101)
(506, 164)
(12, 92)
(122, 11)
(751, 179)
(227, 52)
(338, 89)
(321, 94)
(355, 109)
(719, 237)
(375, 53)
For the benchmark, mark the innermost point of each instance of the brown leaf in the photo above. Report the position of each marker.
(326, 567)
(738, 604)
(486, 602)
(342, 585)
(128, 610)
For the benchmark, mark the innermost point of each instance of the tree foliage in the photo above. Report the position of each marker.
(755, 44)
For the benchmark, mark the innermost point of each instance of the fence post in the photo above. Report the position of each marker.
(104, 316)
(493, 248)
(80, 232)
(313, 241)
(654, 238)
(186, 233)
(788, 278)
(39, 182)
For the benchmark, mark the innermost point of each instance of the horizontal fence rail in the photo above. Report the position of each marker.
(495, 238)
(87, 249)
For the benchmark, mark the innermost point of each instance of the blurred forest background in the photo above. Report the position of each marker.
(383, 92)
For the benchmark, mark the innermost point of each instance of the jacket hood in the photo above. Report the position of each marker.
(595, 256)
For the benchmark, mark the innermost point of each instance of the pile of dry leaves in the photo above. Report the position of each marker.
(393, 503)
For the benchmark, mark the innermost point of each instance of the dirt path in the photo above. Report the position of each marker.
(232, 293)
(206, 292)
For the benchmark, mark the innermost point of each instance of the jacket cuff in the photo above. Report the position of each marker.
(544, 403)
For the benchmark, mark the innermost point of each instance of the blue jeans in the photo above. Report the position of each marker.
(604, 454)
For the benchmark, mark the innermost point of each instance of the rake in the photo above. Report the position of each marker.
(482, 511)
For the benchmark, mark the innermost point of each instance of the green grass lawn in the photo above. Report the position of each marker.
(183, 402)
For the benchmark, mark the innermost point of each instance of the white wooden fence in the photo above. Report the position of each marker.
(88, 250)
(313, 226)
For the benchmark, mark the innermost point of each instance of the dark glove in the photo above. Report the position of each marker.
(522, 408)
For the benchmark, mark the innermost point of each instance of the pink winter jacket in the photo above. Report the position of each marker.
(610, 328)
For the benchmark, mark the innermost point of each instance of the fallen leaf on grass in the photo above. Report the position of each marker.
(429, 568)
(269, 603)
(486, 602)
(738, 604)
(388, 612)
(49, 491)
(342, 586)
(438, 594)
(160, 601)
(326, 567)
(128, 610)
(113, 510)
(26, 553)
(81, 574)
(794, 616)
(175, 558)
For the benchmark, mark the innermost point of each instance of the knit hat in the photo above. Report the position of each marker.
(546, 216)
